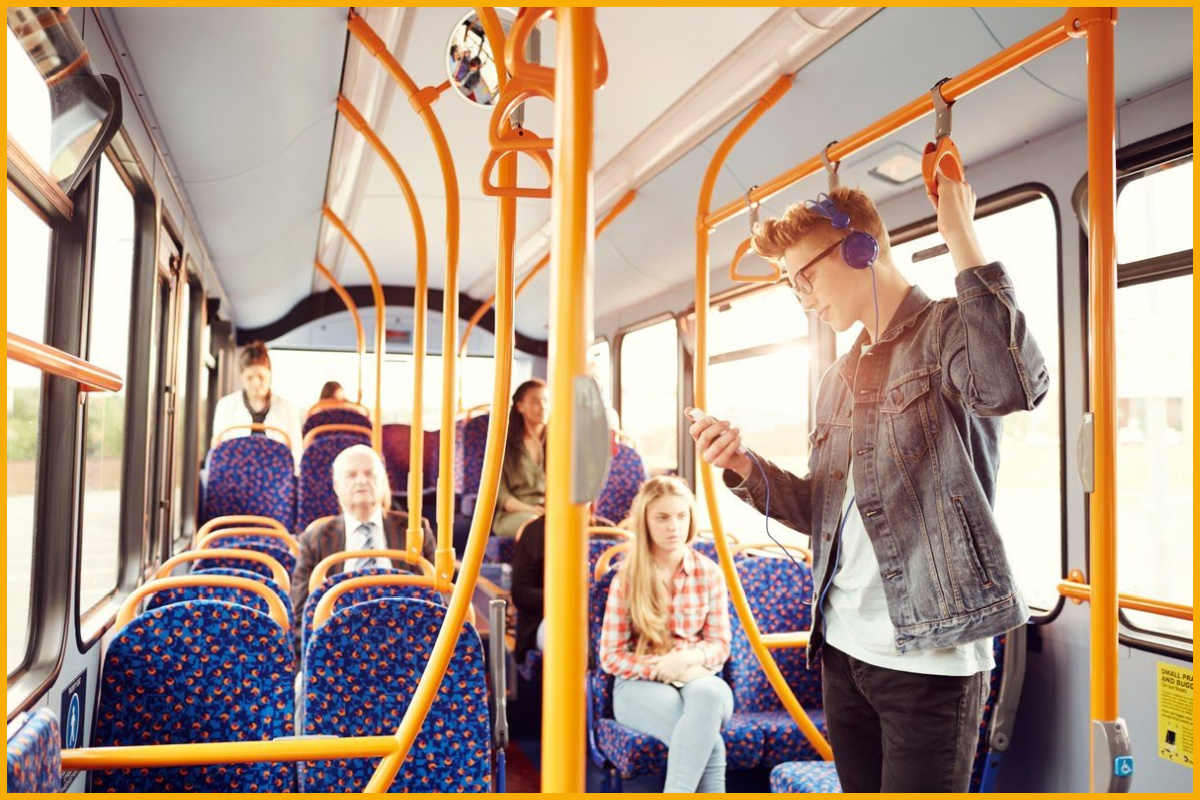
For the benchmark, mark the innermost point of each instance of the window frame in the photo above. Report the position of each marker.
(683, 386)
(92, 623)
(998, 203)
(1133, 162)
(188, 481)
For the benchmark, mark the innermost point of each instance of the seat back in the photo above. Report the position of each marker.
(335, 416)
(1008, 663)
(214, 564)
(225, 594)
(600, 683)
(260, 544)
(251, 475)
(470, 443)
(361, 670)
(396, 443)
(315, 496)
(34, 758)
(361, 594)
(228, 678)
(625, 476)
(778, 593)
(431, 455)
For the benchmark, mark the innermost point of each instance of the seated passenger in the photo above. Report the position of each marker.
(255, 403)
(360, 482)
(333, 391)
(529, 584)
(522, 494)
(666, 636)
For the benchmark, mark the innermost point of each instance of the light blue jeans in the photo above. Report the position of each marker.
(689, 720)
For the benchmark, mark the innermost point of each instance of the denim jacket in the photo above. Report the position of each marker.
(918, 415)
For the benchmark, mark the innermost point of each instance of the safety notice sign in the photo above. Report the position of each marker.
(1175, 714)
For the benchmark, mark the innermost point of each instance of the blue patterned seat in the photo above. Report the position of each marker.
(470, 441)
(396, 443)
(225, 594)
(335, 416)
(251, 475)
(625, 477)
(778, 593)
(500, 550)
(228, 677)
(266, 545)
(633, 753)
(431, 464)
(315, 496)
(361, 669)
(359, 595)
(34, 758)
(821, 776)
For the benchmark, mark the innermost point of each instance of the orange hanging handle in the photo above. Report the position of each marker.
(321, 570)
(519, 67)
(516, 92)
(542, 157)
(941, 155)
(743, 250)
(274, 604)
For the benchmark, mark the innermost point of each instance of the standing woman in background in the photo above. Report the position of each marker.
(255, 403)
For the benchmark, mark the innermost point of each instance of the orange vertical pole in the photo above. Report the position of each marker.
(380, 324)
(1098, 24)
(565, 721)
(420, 99)
(737, 594)
(416, 444)
(464, 588)
(348, 301)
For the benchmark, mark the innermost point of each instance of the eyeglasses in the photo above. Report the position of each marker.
(801, 285)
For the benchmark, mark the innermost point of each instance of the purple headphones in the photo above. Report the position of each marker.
(859, 249)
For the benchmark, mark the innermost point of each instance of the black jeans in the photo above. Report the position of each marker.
(895, 731)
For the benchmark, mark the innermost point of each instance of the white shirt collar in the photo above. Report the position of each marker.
(352, 524)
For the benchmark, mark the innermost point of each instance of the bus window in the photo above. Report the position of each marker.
(29, 114)
(183, 388)
(108, 347)
(1154, 213)
(650, 393)
(1029, 498)
(1154, 399)
(758, 377)
(28, 267)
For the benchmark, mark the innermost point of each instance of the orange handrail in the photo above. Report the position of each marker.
(1029, 48)
(541, 157)
(608, 532)
(288, 540)
(335, 405)
(1078, 592)
(254, 427)
(572, 242)
(335, 427)
(209, 753)
(278, 573)
(420, 99)
(240, 520)
(275, 606)
(380, 323)
(415, 533)
(53, 361)
(479, 314)
(494, 31)
(321, 570)
(784, 641)
(741, 547)
(737, 594)
(360, 343)
(514, 49)
(324, 608)
(604, 562)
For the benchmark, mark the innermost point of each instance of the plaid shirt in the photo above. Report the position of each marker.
(699, 617)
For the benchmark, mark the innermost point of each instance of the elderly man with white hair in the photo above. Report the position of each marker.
(360, 482)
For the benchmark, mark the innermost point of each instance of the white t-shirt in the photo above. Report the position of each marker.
(231, 410)
(856, 611)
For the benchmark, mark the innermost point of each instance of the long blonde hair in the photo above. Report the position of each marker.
(649, 604)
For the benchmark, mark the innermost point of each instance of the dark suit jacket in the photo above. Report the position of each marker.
(320, 541)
